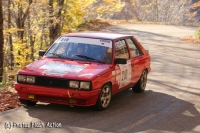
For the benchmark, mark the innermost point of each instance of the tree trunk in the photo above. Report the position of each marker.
(1, 42)
(10, 37)
(156, 10)
(42, 37)
(31, 37)
(21, 17)
(20, 24)
(55, 29)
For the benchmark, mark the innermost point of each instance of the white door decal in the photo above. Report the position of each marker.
(125, 74)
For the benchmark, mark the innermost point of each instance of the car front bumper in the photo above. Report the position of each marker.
(57, 95)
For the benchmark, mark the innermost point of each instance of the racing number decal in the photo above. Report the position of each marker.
(124, 74)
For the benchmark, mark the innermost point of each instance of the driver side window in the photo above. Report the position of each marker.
(133, 49)
(121, 49)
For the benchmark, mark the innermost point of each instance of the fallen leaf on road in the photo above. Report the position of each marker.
(191, 39)
(9, 99)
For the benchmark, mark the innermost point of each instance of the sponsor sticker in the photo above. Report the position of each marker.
(106, 41)
(60, 69)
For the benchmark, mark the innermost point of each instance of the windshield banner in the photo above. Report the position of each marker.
(100, 42)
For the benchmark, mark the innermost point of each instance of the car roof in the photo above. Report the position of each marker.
(103, 35)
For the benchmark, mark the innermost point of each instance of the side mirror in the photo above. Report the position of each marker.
(120, 61)
(42, 52)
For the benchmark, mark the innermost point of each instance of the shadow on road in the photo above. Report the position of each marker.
(175, 72)
(172, 67)
(128, 112)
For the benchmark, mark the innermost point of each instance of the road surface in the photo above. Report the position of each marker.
(170, 103)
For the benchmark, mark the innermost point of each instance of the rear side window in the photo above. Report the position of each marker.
(121, 49)
(133, 49)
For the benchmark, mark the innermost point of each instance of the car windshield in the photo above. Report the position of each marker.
(76, 48)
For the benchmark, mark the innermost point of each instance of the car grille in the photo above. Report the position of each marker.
(51, 82)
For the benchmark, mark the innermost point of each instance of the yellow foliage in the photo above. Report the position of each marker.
(108, 7)
(10, 31)
(148, 5)
(197, 4)
(21, 53)
(17, 4)
(147, 11)
(74, 12)
(133, 4)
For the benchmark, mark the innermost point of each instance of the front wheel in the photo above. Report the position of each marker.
(104, 97)
(141, 84)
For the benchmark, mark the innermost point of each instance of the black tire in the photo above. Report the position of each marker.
(141, 84)
(104, 98)
(28, 102)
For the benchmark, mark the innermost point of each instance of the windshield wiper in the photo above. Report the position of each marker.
(89, 58)
(60, 55)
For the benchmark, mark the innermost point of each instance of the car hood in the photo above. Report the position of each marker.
(61, 68)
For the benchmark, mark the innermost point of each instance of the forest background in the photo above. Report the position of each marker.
(31, 25)
(27, 26)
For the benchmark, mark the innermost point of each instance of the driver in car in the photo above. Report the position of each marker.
(80, 50)
(103, 54)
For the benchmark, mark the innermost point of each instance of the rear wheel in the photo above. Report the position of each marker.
(104, 97)
(141, 84)
(28, 102)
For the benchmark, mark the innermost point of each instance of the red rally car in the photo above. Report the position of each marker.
(85, 69)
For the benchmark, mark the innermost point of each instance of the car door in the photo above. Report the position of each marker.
(136, 59)
(123, 71)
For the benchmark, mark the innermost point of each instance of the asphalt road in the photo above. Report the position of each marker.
(170, 103)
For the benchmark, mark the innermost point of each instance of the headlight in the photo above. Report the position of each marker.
(21, 78)
(74, 84)
(85, 85)
(30, 79)
(26, 79)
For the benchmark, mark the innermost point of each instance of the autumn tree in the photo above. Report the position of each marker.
(197, 33)
(16, 13)
(66, 15)
(104, 8)
(31, 25)
(55, 20)
(22, 14)
(1, 42)
(9, 34)
(159, 11)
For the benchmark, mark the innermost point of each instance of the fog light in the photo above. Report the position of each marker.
(72, 101)
(31, 96)
(75, 94)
